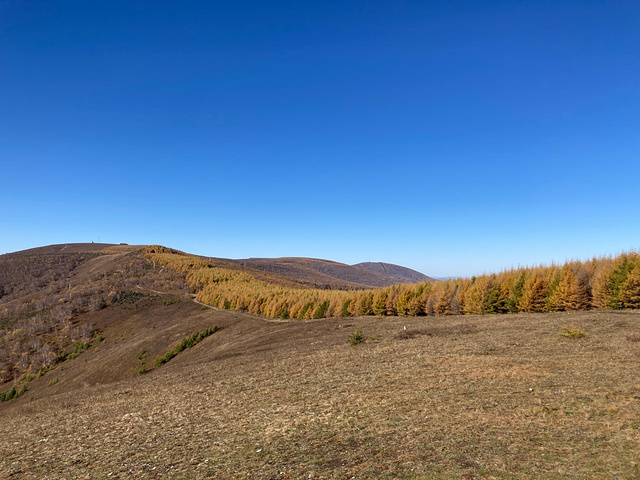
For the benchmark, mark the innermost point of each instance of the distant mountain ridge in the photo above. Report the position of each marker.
(397, 273)
(329, 274)
(300, 272)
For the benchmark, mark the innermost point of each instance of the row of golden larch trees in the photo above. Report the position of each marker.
(601, 283)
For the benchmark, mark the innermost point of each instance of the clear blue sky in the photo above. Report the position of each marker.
(452, 137)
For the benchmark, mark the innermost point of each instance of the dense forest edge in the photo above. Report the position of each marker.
(610, 282)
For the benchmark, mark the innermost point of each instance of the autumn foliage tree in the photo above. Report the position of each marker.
(534, 293)
(569, 294)
(630, 289)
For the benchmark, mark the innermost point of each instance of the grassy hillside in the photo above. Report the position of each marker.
(54, 304)
(503, 397)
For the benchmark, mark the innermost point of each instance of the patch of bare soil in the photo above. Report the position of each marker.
(503, 397)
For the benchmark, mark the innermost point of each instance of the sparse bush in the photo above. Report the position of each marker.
(53, 381)
(10, 395)
(572, 333)
(13, 393)
(356, 337)
(127, 296)
(162, 360)
(438, 331)
(78, 348)
(187, 342)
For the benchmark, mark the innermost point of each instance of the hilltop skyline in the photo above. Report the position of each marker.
(451, 138)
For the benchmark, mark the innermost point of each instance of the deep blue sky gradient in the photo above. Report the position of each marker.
(452, 137)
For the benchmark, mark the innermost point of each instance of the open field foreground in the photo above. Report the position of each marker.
(449, 397)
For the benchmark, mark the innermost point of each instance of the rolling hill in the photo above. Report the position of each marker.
(395, 273)
(417, 397)
(319, 273)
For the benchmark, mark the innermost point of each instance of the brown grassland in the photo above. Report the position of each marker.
(516, 396)
(465, 397)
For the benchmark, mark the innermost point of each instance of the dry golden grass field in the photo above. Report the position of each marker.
(495, 397)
